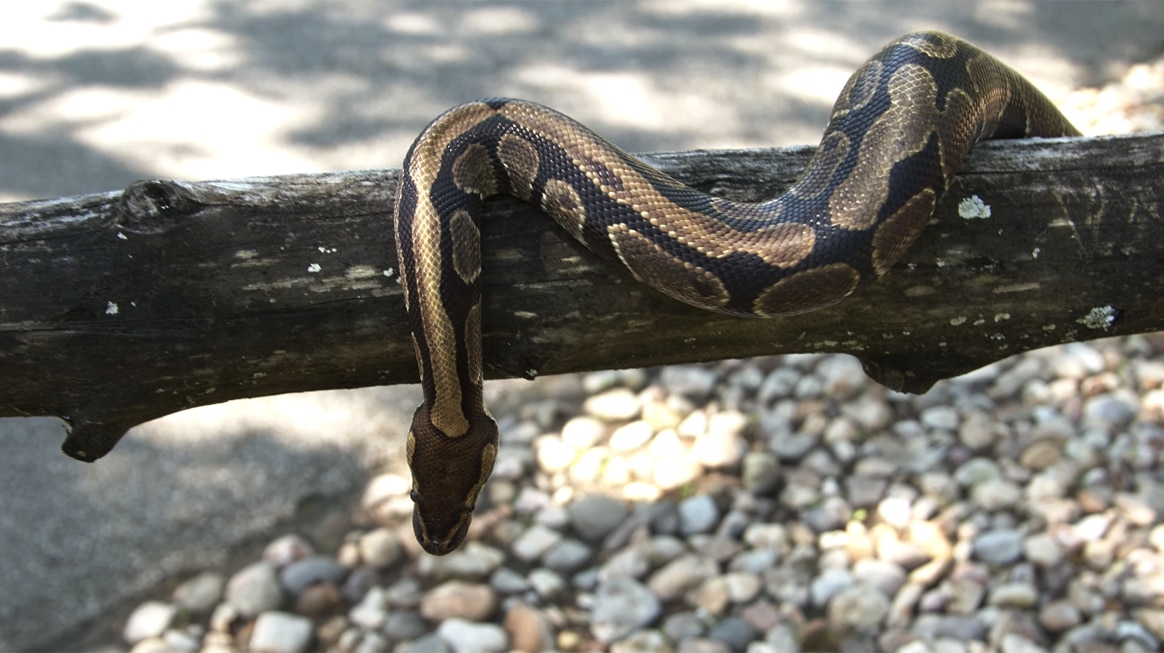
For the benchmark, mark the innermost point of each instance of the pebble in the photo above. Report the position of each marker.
(734, 632)
(594, 516)
(691, 381)
(468, 637)
(528, 630)
(287, 549)
(616, 405)
(298, 575)
(280, 632)
(681, 574)
(697, 514)
(371, 611)
(621, 606)
(255, 589)
(534, 542)
(401, 625)
(857, 607)
(458, 600)
(150, 619)
(567, 555)
(999, 547)
(200, 593)
(380, 548)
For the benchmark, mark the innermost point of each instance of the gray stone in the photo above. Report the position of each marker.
(760, 472)
(296, 576)
(791, 446)
(1001, 547)
(473, 561)
(547, 584)
(431, 643)
(1110, 410)
(357, 584)
(201, 593)
(403, 625)
(733, 631)
(595, 515)
(533, 542)
(688, 380)
(683, 625)
(468, 637)
(996, 494)
(828, 583)
(858, 607)
(882, 574)
(371, 611)
(621, 606)
(1059, 616)
(940, 417)
(281, 632)
(508, 581)
(1014, 595)
(567, 555)
(255, 589)
(697, 514)
(681, 574)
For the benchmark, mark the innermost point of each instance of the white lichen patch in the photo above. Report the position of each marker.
(1001, 317)
(957, 321)
(1098, 318)
(111, 308)
(122, 236)
(1035, 252)
(360, 272)
(314, 267)
(389, 272)
(327, 250)
(973, 208)
(246, 254)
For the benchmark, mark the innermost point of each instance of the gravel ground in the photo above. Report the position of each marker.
(767, 505)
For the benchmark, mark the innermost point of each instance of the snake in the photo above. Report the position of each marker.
(896, 136)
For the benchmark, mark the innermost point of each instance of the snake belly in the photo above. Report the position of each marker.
(896, 136)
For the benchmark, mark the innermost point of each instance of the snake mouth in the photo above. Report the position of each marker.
(438, 548)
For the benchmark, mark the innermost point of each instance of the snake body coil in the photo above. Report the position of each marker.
(897, 134)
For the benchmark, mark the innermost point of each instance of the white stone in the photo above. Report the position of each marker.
(281, 632)
(468, 637)
(150, 619)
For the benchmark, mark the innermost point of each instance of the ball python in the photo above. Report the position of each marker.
(895, 138)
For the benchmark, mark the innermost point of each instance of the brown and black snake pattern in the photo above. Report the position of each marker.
(897, 134)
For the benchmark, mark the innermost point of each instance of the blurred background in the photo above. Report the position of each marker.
(97, 94)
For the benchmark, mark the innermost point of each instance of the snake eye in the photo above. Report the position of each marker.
(415, 496)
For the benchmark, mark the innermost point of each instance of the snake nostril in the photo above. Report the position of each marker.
(415, 496)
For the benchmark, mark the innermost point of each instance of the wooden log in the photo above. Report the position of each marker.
(121, 307)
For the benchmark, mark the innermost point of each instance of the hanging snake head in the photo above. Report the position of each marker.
(448, 473)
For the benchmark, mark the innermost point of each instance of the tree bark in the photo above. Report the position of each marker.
(121, 307)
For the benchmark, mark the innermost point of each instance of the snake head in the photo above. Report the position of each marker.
(448, 473)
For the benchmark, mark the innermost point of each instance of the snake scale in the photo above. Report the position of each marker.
(896, 137)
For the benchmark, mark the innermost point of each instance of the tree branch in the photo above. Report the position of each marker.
(121, 307)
